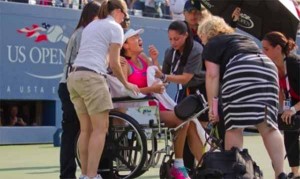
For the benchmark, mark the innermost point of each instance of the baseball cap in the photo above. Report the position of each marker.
(192, 4)
(131, 32)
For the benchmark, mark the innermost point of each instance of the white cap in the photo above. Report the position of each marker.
(131, 32)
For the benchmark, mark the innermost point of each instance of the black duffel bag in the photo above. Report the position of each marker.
(231, 164)
(293, 126)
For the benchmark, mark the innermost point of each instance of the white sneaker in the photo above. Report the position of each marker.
(97, 177)
(83, 177)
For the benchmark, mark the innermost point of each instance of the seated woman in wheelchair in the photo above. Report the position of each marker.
(135, 64)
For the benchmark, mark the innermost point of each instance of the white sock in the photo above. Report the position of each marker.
(82, 176)
(178, 163)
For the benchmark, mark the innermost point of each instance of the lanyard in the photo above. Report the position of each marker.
(173, 70)
(287, 91)
(177, 63)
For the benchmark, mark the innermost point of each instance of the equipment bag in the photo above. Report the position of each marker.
(231, 164)
(293, 126)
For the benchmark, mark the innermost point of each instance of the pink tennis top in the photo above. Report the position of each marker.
(139, 77)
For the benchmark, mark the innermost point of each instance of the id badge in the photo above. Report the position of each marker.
(180, 87)
(286, 104)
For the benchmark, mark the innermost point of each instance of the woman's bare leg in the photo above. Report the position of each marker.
(296, 171)
(273, 142)
(83, 140)
(234, 138)
(97, 140)
(170, 119)
(194, 141)
(180, 137)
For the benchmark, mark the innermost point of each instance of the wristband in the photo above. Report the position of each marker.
(163, 78)
(293, 109)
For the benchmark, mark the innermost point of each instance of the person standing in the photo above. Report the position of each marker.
(279, 48)
(70, 123)
(248, 83)
(101, 42)
(176, 9)
(193, 15)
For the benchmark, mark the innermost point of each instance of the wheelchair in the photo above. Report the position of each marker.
(131, 146)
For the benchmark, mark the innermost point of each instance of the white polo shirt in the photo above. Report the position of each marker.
(95, 41)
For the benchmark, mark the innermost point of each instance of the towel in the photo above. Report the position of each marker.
(163, 98)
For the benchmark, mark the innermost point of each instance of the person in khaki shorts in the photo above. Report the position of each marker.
(101, 42)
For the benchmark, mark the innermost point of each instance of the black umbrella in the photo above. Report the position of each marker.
(259, 17)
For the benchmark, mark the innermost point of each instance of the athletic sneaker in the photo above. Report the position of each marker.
(179, 173)
(291, 176)
(97, 177)
(86, 177)
(82, 177)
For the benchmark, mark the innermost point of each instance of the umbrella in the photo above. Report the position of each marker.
(259, 17)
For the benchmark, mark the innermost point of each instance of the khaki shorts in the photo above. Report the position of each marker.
(89, 92)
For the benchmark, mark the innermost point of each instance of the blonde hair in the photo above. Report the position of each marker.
(213, 26)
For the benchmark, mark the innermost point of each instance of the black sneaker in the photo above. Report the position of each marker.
(290, 175)
(282, 176)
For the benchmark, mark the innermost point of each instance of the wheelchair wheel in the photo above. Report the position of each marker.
(125, 150)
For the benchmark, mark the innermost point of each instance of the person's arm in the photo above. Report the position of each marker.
(153, 53)
(296, 108)
(180, 79)
(155, 88)
(114, 63)
(192, 67)
(212, 85)
(235, 17)
(287, 114)
(293, 66)
(124, 66)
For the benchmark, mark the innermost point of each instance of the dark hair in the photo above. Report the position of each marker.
(89, 12)
(182, 27)
(123, 51)
(108, 6)
(278, 38)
